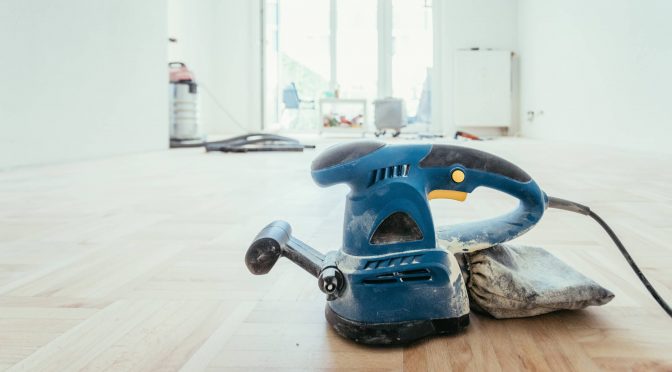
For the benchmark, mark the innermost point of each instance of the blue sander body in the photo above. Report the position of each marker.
(395, 278)
(391, 282)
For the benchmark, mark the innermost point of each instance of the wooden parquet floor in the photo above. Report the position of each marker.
(136, 263)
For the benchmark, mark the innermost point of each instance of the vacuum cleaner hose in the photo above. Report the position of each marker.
(571, 206)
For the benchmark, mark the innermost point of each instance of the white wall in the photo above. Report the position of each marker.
(465, 24)
(81, 79)
(600, 70)
(220, 41)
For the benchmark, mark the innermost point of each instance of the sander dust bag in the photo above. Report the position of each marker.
(512, 281)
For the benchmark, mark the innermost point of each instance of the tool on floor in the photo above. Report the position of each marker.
(254, 142)
(250, 142)
(397, 279)
(185, 129)
(461, 134)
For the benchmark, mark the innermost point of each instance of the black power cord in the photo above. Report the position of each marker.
(582, 209)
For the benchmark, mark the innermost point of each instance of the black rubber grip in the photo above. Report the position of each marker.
(446, 155)
(267, 247)
(276, 240)
(344, 153)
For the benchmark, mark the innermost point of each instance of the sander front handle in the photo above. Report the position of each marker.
(276, 240)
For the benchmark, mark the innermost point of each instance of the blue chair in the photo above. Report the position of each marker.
(293, 105)
(291, 99)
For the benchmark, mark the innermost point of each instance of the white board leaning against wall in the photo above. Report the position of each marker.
(482, 88)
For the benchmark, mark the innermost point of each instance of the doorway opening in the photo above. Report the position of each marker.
(347, 51)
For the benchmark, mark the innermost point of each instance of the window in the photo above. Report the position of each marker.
(412, 56)
(350, 48)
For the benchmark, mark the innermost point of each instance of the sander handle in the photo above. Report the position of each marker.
(275, 240)
(453, 172)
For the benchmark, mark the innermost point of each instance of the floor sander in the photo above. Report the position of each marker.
(397, 277)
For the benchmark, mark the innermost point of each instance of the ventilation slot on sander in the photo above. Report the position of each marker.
(400, 277)
(394, 171)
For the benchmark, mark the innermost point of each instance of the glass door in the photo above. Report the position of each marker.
(297, 61)
(412, 56)
(344, 49)
(357, 49)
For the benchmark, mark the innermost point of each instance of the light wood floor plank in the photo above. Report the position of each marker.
(136, 263)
